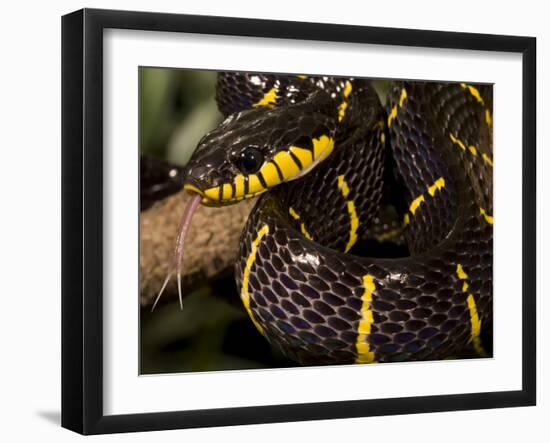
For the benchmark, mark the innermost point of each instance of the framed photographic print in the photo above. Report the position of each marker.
(271, 221)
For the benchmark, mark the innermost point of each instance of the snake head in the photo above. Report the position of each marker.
(259, 148)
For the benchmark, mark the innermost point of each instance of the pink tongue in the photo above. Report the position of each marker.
(175, 265)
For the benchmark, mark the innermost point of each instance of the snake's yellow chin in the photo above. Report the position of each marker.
(212, 202)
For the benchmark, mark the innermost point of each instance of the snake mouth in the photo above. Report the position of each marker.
(208, 200)
(196, 192)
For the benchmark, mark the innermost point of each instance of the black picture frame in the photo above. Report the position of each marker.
(82, 219)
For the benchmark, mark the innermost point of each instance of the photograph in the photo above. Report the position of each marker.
(299, 219)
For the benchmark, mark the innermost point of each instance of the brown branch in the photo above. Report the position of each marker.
(210, 251)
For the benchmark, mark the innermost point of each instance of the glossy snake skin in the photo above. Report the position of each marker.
(332, 160)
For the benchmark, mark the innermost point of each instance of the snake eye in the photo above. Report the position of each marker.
(250, 160)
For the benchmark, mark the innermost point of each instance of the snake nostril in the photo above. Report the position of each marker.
(202, 177)
(197, 173)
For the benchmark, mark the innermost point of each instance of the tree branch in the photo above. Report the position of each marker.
(210, 251)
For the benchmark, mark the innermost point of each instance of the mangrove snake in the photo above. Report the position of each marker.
(334, 159)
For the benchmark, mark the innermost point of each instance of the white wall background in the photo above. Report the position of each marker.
(30, 222)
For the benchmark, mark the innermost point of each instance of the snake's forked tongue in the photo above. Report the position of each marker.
(175, 265)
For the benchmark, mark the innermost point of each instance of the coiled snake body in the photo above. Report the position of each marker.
(334, 159)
